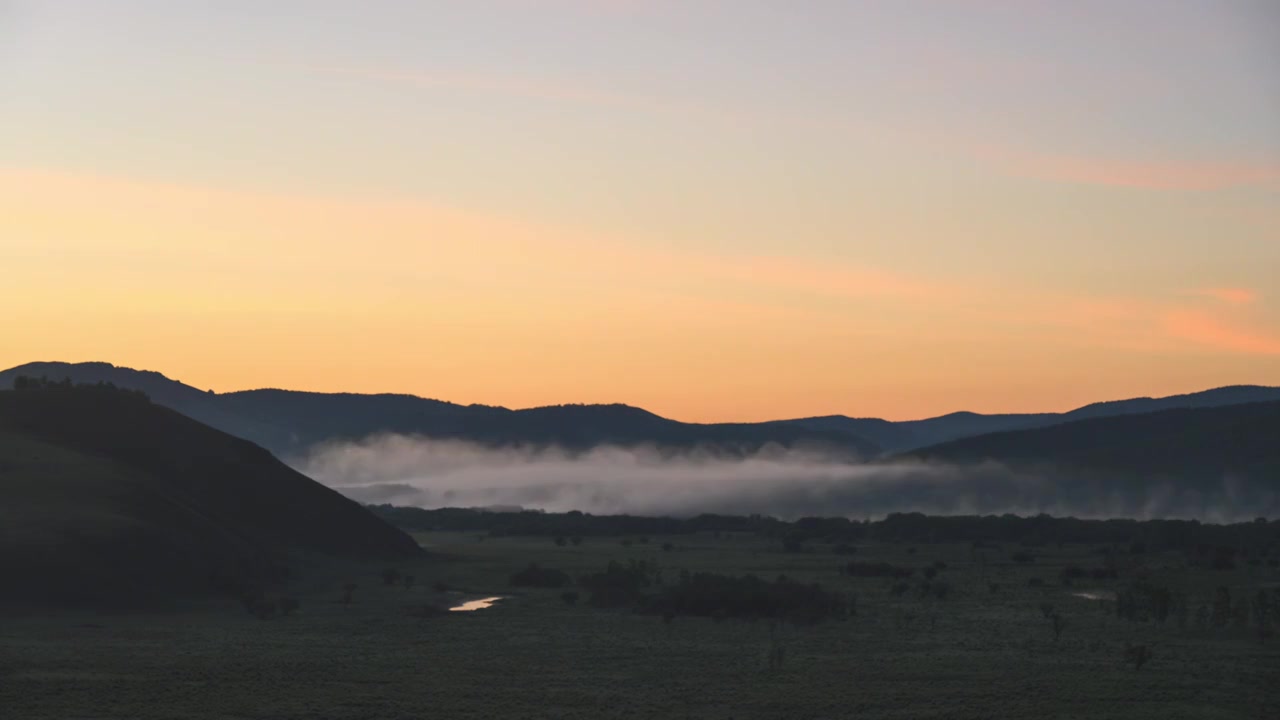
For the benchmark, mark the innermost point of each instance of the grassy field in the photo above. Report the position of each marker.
(974, 654)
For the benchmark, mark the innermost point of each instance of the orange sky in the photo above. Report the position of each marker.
(335, 294)
(715, 211)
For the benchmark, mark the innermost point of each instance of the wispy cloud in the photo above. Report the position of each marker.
(1229, 295)
(1206, 329)
(1116, 172)
(516, 85)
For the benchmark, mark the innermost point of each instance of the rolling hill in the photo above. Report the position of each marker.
(1204, 443)
(911, 434)
(107, 497)
(289, 422)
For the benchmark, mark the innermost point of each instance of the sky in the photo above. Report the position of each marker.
(719, 210)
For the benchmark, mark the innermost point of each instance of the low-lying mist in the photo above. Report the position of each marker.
(775, 481)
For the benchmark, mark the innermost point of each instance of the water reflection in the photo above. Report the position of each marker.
(473, 605)
(1093, 595)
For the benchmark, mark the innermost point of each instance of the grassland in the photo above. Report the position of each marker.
(975, 654)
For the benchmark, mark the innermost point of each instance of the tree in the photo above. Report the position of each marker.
(1221, 613)
(1139, 655)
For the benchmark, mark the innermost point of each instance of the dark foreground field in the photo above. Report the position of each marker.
(974, 653)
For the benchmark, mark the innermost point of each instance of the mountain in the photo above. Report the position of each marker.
(1192, 443)
(906, 435)
(289, 422)
(106, 496)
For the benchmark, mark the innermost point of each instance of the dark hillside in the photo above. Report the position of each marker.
(1200, 443)
(104, 482)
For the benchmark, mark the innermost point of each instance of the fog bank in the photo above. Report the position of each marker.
(775, 481)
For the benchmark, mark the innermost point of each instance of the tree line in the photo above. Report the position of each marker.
(1220, 545)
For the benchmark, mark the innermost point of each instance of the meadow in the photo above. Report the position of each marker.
(986, 648)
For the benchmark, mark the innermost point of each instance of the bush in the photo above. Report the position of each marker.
(793, 544)
(619, 585)
(536, 576)
(880, 569)
(939, 589)
(722, 597)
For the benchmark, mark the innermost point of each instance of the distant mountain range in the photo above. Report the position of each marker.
(289, 422)
(1206, 443)
(106, 497)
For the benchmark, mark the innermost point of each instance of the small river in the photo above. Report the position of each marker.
(478, 604)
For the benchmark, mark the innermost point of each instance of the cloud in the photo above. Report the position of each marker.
(422, 472)
(1112, 172)
(1165, 324)
(1205, 329)
(1231, 296)
(538, 88)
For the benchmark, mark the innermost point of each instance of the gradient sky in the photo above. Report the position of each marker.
(715, 209)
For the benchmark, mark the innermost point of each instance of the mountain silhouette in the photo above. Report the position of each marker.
(290, 422)
(106, 496)
(1198, 443)
(911, 434)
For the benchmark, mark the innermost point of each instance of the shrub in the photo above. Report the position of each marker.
(618, 586)
(936, 589)
(1139, 655)
(880, 569)
(536, 576)
(722, 597)
(1058, 625)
